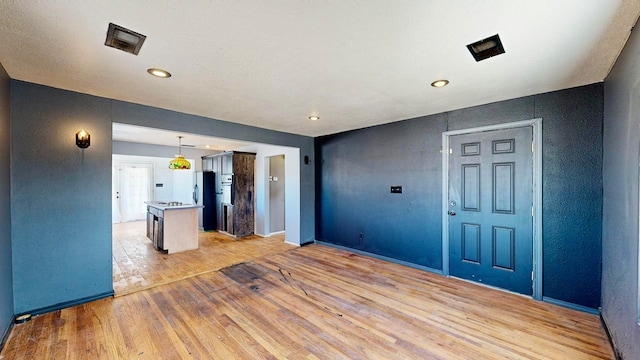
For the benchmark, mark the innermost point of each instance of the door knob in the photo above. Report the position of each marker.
(452, 213)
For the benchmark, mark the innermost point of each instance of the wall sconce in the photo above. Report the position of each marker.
(83, 139)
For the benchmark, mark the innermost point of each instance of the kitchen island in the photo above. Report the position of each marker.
(172, 226)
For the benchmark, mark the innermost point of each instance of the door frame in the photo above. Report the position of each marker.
(536, 125)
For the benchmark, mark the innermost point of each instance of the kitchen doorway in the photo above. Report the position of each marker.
(136, 262)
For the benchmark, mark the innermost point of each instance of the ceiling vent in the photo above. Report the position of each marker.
(486, 48)
(124, 39)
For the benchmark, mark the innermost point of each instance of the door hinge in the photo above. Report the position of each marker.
(532, 211)
(533, 275)
(533, 147)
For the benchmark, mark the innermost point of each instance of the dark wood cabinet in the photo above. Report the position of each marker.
(234, 191)
(243, 193)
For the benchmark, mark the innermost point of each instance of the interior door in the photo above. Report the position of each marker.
(490, 208)
(115, 194)
(276, 194)
(135, 189)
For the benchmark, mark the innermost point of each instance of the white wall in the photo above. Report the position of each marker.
(177, 185)
(148, 150)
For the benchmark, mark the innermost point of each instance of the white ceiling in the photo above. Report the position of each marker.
(145, 135)
(355, 63)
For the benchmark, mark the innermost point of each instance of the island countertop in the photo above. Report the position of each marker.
(169, 205)
(171, 226)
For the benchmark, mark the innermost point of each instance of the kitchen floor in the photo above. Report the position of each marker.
(138, 266)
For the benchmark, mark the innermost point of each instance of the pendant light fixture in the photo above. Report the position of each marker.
(179, 163)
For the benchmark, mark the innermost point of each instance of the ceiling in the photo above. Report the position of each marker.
(145, 135)
(274, 63)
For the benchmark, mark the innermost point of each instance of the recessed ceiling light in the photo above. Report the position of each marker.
(159, 73)
(314, 117)
(486, 48)
(440, 83)
(207, 146)
(124, 39)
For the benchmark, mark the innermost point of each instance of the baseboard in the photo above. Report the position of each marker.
(66, 304)
(6, 334)
(270, 234)
(571, 305)
(611, 342)
(308, 241)
(381, 257)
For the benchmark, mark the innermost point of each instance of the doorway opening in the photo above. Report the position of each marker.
(136, 260)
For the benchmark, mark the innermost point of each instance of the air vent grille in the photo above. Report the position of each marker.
(124, 39)
(486, 48)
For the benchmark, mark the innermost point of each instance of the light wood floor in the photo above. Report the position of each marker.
(312, 302)
(137, 265)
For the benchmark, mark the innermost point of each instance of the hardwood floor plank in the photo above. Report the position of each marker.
(356, 286)
(256, 326)
(138, 266)
(407, 316)
(313, 302)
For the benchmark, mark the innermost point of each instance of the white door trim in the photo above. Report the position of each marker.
(536, 124)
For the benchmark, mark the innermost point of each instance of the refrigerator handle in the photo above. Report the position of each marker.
(195, 194)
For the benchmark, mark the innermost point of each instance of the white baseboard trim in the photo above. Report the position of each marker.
(271, 234)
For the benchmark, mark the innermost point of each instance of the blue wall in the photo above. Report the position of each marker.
(61, 195)
(620, 206)
(356, 169)
(6, 278)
